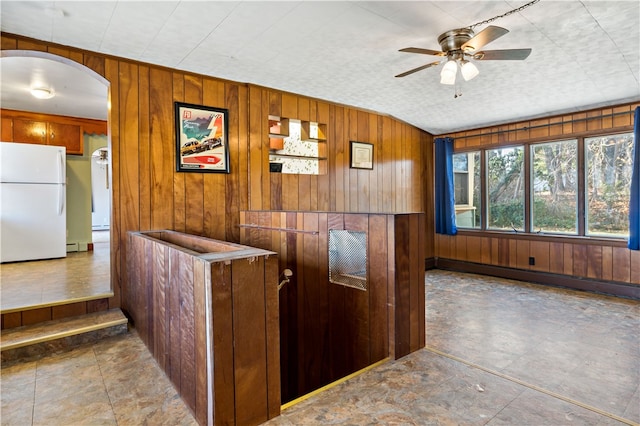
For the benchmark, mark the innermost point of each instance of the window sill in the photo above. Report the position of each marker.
(570, 239)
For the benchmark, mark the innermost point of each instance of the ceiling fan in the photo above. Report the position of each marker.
(462, 44)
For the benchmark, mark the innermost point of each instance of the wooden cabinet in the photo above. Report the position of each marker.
(45, 129)
(68, 135)
(29, 131)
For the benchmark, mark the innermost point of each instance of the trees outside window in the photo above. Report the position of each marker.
(608, 184)
(554, 187)
(574, 187)
(505, 188)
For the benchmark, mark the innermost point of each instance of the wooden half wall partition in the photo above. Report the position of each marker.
(208, 312)
(328, 330)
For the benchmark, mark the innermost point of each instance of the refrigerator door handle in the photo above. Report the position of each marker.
(61, 187)
(61, 199)
(60, 167)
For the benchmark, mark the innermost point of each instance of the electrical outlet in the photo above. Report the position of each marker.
(532, 261)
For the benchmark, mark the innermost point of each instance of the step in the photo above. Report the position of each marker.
(60, 333)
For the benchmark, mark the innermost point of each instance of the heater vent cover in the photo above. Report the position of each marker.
(348, 258)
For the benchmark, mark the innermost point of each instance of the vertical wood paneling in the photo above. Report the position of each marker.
(594, 262)
(258, 143)
(621, 264)
(377, 253)
(179, 179)
(234, 197)
(187, 330)
(568, 259)
(579, 260)
(540, 251)
(607, 263)
(272, 335)
(193, 182)
(144, 149)
(214, 183)
(249, 315)
(222, 360)
(202, 366)
(357, 308)
(486, 250)
(556, 258)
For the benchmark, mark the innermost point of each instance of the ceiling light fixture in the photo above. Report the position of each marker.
(42, 93)
(448, 73)
(468, 70)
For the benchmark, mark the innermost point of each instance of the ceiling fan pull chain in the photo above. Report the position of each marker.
(519, 9)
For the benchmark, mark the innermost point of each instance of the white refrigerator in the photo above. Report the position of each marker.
(33, 217)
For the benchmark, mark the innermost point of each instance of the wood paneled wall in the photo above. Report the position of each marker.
(328, 331)
(600, 260)
(149, 194)
(34, 316)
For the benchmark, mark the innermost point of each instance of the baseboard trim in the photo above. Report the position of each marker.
(596, 286)
(429, 263)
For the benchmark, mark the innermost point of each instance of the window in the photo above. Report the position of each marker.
(608, 183)
(466, 174)
(572, 187)
(554, 187)
(505, 188)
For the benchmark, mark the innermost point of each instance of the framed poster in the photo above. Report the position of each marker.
(202, 141)
(361, 155)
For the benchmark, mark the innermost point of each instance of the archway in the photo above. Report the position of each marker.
(79, 93)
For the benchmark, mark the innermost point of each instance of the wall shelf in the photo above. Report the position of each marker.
(299, 157)
(278, 130)
(313, 132)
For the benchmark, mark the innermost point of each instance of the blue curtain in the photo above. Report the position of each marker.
(445, 203)
(634, 202)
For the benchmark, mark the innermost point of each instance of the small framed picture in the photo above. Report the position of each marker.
(202, 140)
(361, 155)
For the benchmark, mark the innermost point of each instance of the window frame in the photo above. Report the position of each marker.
(485, 187)
(581, 233)
(532, 192)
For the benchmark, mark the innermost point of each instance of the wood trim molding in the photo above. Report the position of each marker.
(611, 288)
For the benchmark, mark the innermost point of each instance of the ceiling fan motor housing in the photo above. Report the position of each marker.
(454, 39)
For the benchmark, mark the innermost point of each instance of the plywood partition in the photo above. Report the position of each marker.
(208, 312)
(328, 330)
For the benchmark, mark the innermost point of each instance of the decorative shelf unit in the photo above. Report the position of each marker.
(312, 131)
(278, 130)
(296, 146)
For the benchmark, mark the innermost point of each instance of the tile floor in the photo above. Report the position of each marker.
(499, 353)
(79, 276)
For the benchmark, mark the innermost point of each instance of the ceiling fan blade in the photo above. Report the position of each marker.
(502, 55)
(422, 51)
(485, 36)
(432, 64)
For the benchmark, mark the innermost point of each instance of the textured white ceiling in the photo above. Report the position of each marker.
(585, 54)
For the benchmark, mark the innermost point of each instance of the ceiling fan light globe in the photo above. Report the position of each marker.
(448, 73)
(469, 70)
